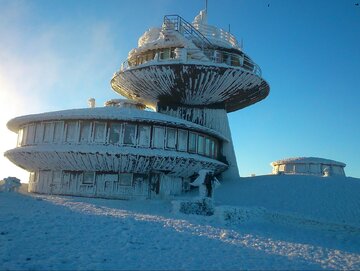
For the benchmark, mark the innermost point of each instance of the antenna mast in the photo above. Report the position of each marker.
(206, 6)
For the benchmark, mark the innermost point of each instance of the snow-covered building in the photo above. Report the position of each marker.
(192, 75)
(308, 165)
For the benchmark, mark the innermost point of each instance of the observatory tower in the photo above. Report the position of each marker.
(192, 75)
(193, 71)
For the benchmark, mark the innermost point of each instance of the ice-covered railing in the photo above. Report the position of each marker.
(215, 56)
(177, 23)
(217, 36)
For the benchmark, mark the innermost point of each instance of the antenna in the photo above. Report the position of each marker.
(206, 6)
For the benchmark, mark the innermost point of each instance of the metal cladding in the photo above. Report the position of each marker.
(191, 84)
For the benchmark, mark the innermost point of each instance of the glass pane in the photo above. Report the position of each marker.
(58, 131)
(192, 142)
(170, 138)
(115, 132)
(125, 179)
(48, 131)
(99, 132)
(182, 140)
(207, 146)
(158, 137)
(130, 134)
(30, 134)
(212, 146)
(20, 137)
(39, 133)
(71, 131)
(144, 135)
(201, 140)
(85, 131)
(88, 178)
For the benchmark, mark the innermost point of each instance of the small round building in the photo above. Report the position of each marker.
(121, 152)
(308, 166)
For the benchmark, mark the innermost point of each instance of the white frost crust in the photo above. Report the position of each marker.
(308, 160)
(111, 113)
(152, 40)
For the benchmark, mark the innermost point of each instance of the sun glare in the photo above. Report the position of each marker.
(11, 105)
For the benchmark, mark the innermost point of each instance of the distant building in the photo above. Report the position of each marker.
(308, 165)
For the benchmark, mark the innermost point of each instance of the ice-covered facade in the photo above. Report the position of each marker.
(192, 75)
(308, 166)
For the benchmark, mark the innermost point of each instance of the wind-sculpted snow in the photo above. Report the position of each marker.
(52, 232)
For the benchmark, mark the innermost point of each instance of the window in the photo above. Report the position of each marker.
(201, 140)
(99, 132)
(125, 179)
(165, 53)
(235, 60)
(48, 131)
(58, 131)
(170, 138)
(130, 134)
(115, 133)
(208, 146)
(182, 140)
(20, 137)
(85, 128)
(213, 148)
(88, 177)
(158, 137)
(192, 142)
(39, 133)
(30, 134)
(71, 131)
(144, 135)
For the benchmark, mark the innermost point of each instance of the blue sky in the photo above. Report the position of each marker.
(54, 55)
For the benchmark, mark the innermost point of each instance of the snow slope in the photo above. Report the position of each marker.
(333, 200)
(64, 233)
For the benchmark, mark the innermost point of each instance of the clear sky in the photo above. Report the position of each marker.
(56, 54)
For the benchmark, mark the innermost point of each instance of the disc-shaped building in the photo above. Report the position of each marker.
(309, 166)
(192, 75)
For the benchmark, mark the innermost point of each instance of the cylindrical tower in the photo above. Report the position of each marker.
(192, 71)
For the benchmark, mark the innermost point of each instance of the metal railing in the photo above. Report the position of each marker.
(177, 23)
(218, 35)
(215, 56)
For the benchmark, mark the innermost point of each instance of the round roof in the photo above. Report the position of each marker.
(307, 160)
(112, 113)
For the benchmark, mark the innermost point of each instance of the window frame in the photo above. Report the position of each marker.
(135, 133)
(167, 138)
(153, 141)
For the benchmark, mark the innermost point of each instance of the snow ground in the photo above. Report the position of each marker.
(64, 233)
